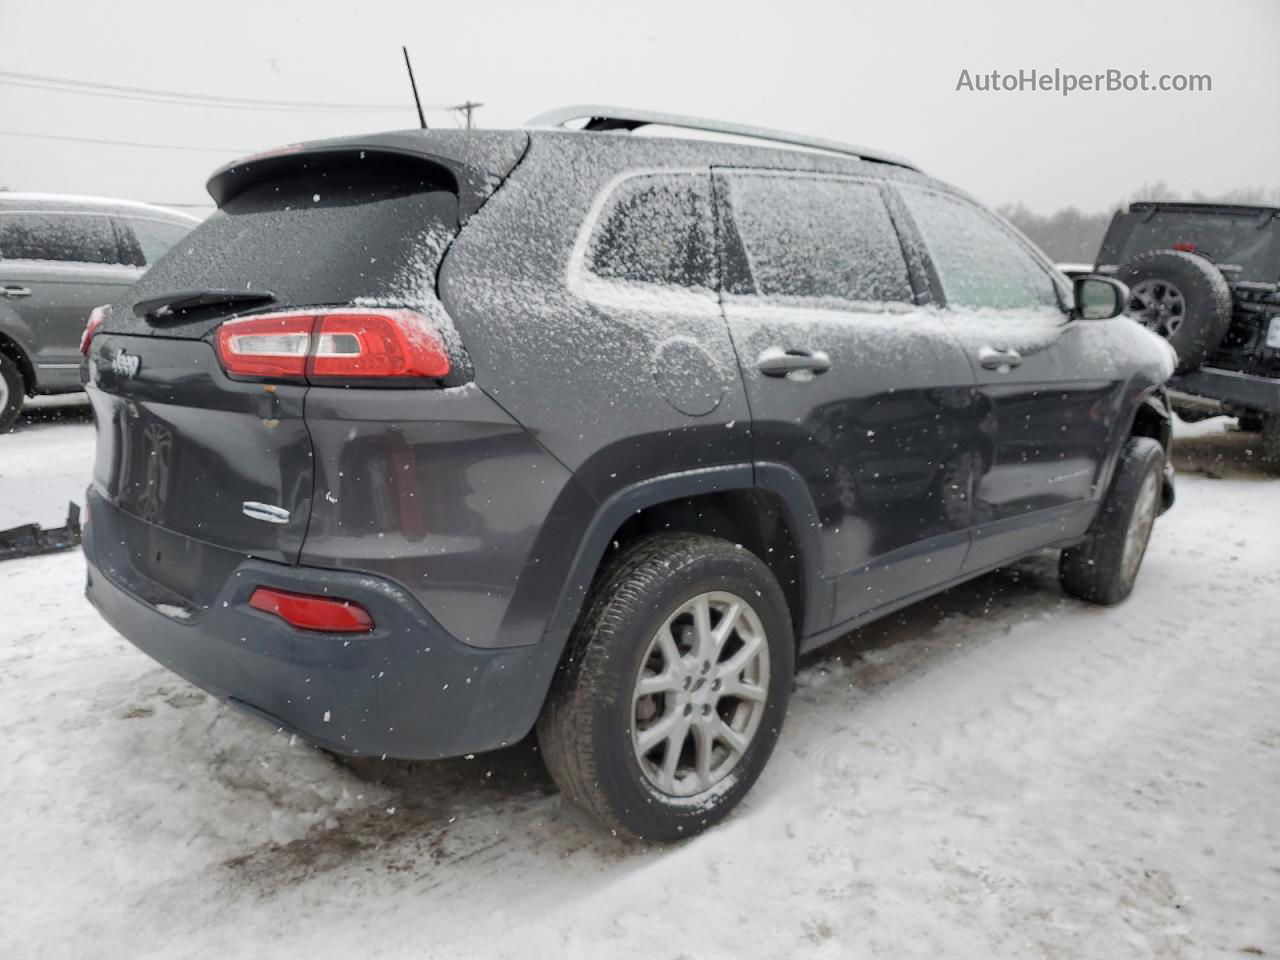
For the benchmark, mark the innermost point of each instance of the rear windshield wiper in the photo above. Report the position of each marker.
(167, 306)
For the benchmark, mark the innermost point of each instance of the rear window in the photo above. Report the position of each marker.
(1251, 242)
(360, 230)
(58, 237)
(818, 238)
(656, 229)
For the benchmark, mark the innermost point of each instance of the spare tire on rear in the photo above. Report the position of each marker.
(1181, 296)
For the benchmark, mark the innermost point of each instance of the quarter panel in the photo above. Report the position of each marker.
(442, 491)
(619, 382)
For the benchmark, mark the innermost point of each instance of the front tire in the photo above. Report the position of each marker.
(12, 389)
(1104, 567)
(673, 687)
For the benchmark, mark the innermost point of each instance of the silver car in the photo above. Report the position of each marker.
(61, 256)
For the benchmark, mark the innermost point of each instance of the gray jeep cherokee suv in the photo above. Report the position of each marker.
(426, 439)
(59, 257)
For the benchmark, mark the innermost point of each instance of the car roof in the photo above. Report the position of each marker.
(29, 200)
(1179, 206)
(605, 118)
(484, 157)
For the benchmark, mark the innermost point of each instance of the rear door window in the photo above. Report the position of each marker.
(818, 239)
(979, 263)
(59, 237)
(656, 229)
(154, 237)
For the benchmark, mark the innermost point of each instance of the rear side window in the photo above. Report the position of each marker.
(656, 229)
(979, 263)
(818, 238)
(58, 237)
(369, 228)
(155, 237)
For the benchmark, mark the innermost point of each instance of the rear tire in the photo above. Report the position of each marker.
(660, 718)
(1182, 297)
(12, 389)
(1104, 567)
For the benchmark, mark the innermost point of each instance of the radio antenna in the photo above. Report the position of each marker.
(412, 83)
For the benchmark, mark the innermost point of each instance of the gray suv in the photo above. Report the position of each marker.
(428, 439)
(60, 256)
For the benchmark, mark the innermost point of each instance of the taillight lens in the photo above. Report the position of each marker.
(347, 345)
(391, 343)
(308, 612)
(97, 317)
(273, 345)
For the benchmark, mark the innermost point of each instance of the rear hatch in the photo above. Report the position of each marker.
(1243, 241)
(187, 451)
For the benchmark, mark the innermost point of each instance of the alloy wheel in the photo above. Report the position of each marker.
(700, 694)
(1158, 305)
(1140, 523)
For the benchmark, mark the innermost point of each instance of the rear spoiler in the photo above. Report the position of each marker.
(476, 161)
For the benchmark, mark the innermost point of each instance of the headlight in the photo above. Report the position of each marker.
(1273, 334)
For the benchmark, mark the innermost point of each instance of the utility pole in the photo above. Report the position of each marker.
(467, 108)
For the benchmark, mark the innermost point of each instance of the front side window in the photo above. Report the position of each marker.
(818, 239)
(656, 229)
(155, 237)
(60, 237)
(979, 263)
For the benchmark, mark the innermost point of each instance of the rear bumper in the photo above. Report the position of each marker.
(407, 689)
(1228, 386)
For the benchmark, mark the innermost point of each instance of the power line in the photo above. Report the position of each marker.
(98, 89)
(125, 143)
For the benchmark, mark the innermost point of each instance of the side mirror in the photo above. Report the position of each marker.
(1099, 298)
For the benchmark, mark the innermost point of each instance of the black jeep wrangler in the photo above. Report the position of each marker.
(1205, 276)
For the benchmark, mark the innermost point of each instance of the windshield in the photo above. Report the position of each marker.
(1247, 241)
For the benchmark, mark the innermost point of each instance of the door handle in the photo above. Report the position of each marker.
(11, 291)
(775, 362)
(993, 359)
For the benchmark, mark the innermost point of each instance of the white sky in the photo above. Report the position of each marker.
(881, 74)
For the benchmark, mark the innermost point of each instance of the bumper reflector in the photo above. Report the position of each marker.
(307, 612)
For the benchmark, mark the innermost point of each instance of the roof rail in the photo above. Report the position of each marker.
(600, 117)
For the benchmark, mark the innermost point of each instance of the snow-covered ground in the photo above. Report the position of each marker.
(998, 772)
(45, 462)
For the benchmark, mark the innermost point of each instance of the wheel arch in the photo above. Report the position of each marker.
(764, 506)
(1153, 417)
(14, 351)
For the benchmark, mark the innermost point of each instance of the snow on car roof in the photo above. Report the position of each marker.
(85, 200)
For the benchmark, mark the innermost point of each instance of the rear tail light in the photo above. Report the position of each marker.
(97, 316)
(268, 346)
(346, 345)
(1185, 246)
(308, 612)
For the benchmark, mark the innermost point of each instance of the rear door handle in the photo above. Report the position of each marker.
(776, 362)
(993, 359)
(11, 291)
